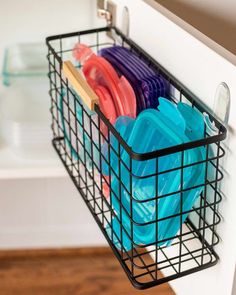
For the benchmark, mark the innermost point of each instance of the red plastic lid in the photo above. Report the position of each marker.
(107, 106)
(99, 72)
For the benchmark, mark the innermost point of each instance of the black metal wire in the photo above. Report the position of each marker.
(79, 146)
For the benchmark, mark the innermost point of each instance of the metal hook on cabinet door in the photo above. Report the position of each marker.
(222, 103)
(124, 26)
(106, 9)
(125, 21)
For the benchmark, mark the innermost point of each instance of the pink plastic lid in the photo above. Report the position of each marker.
(82, 52)
(98, 71)
(116, 95)
(107, 106)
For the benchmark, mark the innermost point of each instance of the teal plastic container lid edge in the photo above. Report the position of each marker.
(152, 114)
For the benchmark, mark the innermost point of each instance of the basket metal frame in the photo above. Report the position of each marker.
(143, 271)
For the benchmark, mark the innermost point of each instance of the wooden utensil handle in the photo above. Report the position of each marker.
(80, 85)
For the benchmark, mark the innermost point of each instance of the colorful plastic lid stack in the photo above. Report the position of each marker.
(127, 86)
(158, 129)
(147, 84)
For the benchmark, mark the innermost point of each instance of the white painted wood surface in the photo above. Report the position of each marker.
(201, 65)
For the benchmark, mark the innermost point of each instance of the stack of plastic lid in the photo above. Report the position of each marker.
(169, 125)
(146, 83)
(116, 98)
(160, 124)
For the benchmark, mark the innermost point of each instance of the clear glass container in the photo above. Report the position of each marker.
(25, 104)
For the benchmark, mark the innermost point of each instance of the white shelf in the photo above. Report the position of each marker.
(13, 166)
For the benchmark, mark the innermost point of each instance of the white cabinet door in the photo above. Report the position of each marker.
(234, 285)
(201, 65)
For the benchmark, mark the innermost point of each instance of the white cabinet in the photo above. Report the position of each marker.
(44, 212)
(201, 65)
(39, 206)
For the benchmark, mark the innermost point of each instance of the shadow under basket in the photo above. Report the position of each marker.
(161, 246)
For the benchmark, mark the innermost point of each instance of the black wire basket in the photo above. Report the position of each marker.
(79, 142)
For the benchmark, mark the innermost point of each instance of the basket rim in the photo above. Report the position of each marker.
(183, 90)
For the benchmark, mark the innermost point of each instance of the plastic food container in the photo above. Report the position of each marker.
(24, 108)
